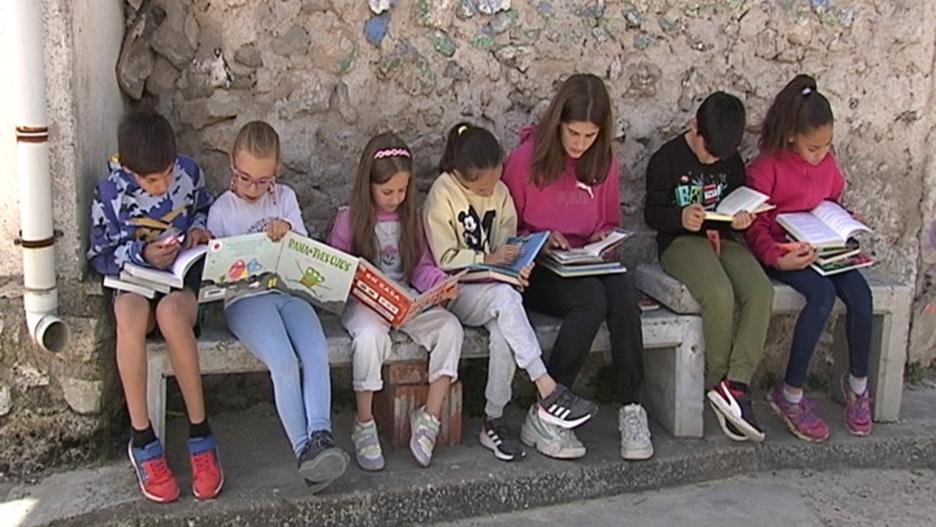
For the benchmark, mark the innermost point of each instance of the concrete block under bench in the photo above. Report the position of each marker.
(674, 362)
(891, 320)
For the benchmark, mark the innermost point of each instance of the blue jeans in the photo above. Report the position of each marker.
(285, 333)
(820, 292)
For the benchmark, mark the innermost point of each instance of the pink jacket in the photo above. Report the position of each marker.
(425, 275)
(566, 206)
(793, 186)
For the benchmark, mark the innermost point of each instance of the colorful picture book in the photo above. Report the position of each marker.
(393, 302)
(531, 246)
(309, 269)
(741, 199)
(840, 265)
(148, 281)
(594, 253)
(826, 226)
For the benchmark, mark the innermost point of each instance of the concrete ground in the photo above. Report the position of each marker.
(263, 488)
(801, 498)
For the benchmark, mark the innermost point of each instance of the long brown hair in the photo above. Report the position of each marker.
(582, 97)
(798, 108)
(395, 157)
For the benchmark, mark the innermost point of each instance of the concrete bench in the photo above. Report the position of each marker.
(674, 362)
(892, 302)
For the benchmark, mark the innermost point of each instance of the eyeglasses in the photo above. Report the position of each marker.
(245, 179)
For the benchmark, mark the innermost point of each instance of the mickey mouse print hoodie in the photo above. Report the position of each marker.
(463, 226)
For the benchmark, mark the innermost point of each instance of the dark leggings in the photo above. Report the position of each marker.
(820, 292)
(583, 304)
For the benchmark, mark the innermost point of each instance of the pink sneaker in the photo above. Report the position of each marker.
(800, 418)
(857, 410)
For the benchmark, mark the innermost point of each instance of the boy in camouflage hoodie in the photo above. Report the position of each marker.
(149, 193)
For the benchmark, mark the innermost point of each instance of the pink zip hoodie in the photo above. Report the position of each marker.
(425, 275)
(567, 205)
(793, 186)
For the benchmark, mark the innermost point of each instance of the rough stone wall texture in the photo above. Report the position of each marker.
(53, 408)
(329, 73)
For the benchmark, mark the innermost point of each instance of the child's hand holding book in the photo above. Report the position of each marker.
(161, 253)
(277, 228)
(742, 220)
(503, 255)
(692, 217)
(798, 255)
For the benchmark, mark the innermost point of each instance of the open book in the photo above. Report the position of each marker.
(593, 253)
(826, 226)
(252, 263)
(531, 245)
(741, 199)
(393, 302)
(147, 281)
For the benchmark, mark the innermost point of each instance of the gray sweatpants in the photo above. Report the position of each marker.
(499, 308)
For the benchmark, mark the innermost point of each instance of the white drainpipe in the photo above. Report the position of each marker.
(37, 238)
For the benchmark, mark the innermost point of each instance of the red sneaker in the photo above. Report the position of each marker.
(207, 476)
(156, 480)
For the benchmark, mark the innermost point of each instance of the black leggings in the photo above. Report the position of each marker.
(583, 304)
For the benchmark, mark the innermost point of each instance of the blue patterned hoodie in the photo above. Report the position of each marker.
(124, 217)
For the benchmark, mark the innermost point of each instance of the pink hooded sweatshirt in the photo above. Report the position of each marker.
(566, 206)
(793, 186)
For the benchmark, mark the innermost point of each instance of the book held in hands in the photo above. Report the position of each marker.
(531, 244)
(253, 263)
(741, 199)
(394, 303)
(596, 258)
(829, 229)
(148, 281)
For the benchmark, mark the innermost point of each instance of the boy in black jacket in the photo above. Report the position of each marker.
(686, 177)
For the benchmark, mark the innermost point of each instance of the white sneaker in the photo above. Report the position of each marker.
(635, 434)
(550, 440)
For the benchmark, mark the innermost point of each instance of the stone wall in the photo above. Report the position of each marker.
(329, 73)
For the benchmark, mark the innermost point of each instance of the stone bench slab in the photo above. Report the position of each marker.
(674, 364)
(892, 303)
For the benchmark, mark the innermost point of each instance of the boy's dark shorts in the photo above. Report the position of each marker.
(192, 282)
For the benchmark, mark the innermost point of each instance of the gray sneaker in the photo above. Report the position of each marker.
(424, 429)
(367, 450)
(550, 440)
(635, 434)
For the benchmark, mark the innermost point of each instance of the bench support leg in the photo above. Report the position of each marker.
(674, 382)
(887, 362)
(406, 386)
(156, 395)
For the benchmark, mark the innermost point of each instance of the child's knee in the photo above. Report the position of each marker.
(175, 306)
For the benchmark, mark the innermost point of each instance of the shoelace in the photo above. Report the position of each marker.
(204, 462)
(158, 470)
(634, 426)
(321, 440)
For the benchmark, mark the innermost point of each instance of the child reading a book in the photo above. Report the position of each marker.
(469, 217)
(687, 175)
(797, 169)
(281, 330)
(564, 178)
(383, 226)
(150, 191)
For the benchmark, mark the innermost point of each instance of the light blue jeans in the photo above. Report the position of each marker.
(285, 333)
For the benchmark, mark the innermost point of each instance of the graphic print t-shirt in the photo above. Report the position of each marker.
(676, 178)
